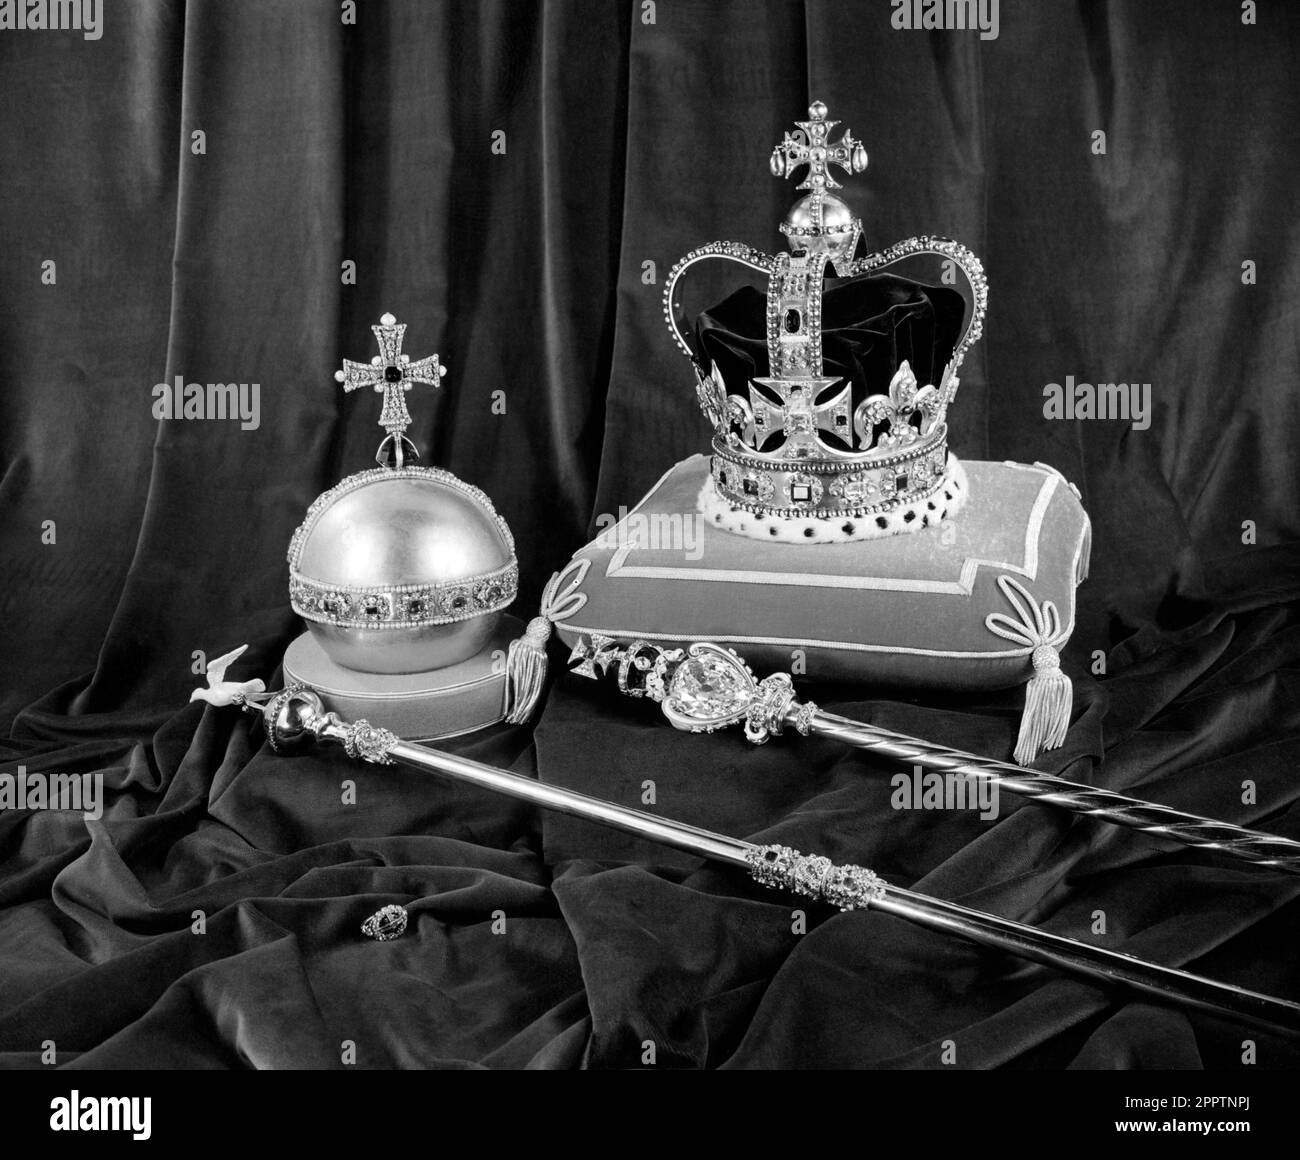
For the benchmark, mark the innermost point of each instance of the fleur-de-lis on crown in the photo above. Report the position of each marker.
(711, 391)
(904, 400)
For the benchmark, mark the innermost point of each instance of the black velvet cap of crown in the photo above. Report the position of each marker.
(870, 324)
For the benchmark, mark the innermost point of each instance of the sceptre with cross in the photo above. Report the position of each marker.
(392, 373)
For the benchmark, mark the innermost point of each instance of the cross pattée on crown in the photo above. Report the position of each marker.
(799, 416)
(815, 150)
(392, 373)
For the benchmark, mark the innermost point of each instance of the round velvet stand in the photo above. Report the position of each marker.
(416, 706)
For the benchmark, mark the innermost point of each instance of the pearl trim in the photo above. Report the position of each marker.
(945, 501)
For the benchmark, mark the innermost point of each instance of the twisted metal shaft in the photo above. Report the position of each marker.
(1269, 850)
(708, 686)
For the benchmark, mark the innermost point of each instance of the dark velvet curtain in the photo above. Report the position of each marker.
(501, 173)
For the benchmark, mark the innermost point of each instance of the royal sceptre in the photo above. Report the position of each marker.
(707, 687)
(296, 715)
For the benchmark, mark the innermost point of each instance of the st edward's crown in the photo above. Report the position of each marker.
(828, 397)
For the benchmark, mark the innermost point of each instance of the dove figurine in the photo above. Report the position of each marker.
(222, 692)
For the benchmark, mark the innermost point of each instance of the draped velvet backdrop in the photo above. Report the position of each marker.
(624, 134)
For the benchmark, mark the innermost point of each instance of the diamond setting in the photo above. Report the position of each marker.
(780, 427)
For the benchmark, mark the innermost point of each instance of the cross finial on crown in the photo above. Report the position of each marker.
(392, 373)
(814, 435)
(811, 146)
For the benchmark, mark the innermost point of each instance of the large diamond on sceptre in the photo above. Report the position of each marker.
(710, 689)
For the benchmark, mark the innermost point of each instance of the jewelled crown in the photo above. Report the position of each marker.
(401, 568)
(815, 391)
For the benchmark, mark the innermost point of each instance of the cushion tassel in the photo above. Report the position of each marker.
(526, 671)
(1049, 697)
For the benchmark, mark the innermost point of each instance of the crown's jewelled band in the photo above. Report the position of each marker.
(817, 488)
(402, 605)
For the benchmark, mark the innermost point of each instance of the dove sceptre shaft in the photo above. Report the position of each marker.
(297, 715)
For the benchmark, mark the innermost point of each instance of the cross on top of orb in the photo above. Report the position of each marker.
(810, 145)
(392, 373)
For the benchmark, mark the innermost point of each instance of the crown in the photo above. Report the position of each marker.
(829, 395)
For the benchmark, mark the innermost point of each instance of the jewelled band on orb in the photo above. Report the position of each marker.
(405, 605)
(402, 605)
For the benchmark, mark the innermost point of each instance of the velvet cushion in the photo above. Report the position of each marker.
(909, 610)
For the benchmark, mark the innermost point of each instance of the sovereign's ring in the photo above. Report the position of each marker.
(387, 922)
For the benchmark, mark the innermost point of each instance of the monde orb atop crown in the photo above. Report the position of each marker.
(828, 394)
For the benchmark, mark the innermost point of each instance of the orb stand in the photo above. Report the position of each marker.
(440, 703)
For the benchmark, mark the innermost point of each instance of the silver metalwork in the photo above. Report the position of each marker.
(803, 717)
(402, 570)
(845, 887)
(369, 742)
(392, 373)
(714, 687)
(388, 922)
(793, 445)
(812, 146)
(286, 709)
(767, 711)
(602, 653)
(812, 487)
(820, 224)
(295, 717)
